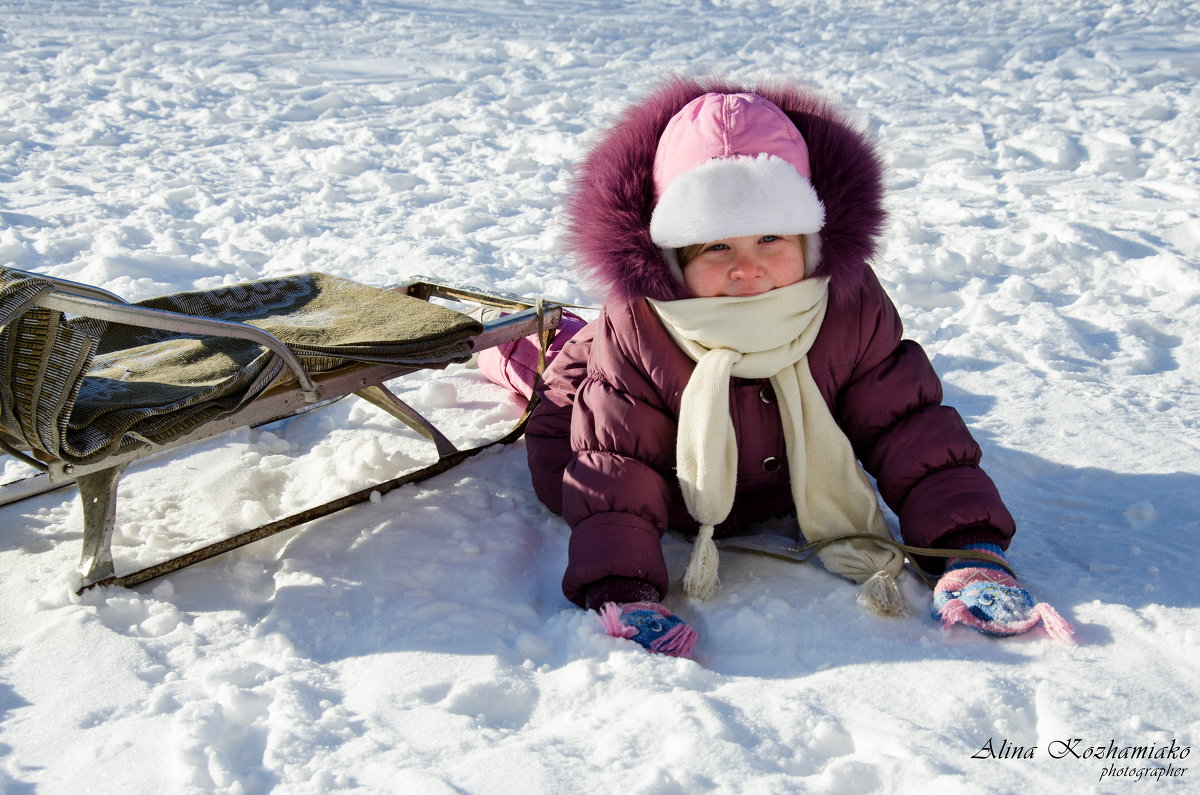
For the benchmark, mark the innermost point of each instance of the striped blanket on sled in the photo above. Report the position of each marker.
(82, 390)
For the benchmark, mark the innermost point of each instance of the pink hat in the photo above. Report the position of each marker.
(730, 165)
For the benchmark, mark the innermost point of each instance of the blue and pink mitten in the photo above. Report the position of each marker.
(985, 596)
(650, 625)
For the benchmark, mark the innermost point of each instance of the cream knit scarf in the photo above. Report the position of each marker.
(768, 336)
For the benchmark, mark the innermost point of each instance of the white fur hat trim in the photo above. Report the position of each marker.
(736, 196)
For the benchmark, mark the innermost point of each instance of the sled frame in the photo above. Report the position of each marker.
(98, 482)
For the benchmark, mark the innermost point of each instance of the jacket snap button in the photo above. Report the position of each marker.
(766, 394)
(771, 464)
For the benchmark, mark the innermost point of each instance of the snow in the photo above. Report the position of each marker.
(1044, 167)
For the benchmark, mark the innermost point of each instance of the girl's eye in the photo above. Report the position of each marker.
(717, 247)
(768, 238)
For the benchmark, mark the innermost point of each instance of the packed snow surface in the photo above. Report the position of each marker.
(1043, 245)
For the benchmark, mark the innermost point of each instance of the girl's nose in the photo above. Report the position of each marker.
(745, 266)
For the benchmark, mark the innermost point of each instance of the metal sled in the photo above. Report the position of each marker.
(58, 372)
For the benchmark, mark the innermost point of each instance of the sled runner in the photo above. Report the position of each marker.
(82, 397)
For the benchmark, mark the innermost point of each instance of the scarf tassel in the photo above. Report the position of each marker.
(700, 580)
(881, 595)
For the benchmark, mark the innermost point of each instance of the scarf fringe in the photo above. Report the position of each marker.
(700, 580)
(881, 595)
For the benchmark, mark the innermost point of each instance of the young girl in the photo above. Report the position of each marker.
(745, 362)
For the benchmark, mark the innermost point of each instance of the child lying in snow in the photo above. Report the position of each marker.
(744, 364)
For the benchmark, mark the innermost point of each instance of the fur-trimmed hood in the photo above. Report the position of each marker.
(612, 195)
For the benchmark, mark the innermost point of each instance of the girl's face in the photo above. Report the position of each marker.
(747, 265)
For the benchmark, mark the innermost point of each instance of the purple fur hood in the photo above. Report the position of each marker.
(612, 196)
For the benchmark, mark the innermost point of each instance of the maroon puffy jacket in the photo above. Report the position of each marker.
(602, 441)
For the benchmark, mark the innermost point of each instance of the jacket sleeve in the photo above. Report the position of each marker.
(923, 457)
(615, 492)
(548, 434)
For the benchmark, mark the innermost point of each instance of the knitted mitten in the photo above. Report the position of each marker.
(650, 625)
(986, 597)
